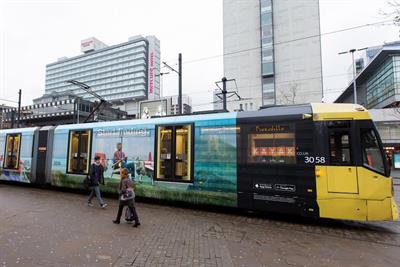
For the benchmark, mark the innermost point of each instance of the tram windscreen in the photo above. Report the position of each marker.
(372, 153)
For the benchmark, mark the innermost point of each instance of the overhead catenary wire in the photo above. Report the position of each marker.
(384, 22)
(288, 81)
(288, 41)
(295, 40)
(327, 91)
(217, 102)
(8, 100)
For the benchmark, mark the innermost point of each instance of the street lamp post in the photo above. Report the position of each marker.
(19, 108)
(354, 69)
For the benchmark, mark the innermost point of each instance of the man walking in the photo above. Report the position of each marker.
(96, 178)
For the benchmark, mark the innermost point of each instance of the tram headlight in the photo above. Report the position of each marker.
(318, 172)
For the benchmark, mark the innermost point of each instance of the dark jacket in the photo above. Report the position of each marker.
(96, 175)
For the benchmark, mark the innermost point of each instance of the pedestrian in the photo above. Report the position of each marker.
(96, 177)
(126, 198)
(389, 160)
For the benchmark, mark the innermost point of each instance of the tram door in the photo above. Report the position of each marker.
(41, 165)
(41, 157)
(341, 172)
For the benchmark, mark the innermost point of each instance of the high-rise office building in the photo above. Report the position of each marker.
(273, 50)
(122, 74)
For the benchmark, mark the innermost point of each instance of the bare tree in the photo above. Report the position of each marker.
(392, 11)
(289, 96)
(396, 109)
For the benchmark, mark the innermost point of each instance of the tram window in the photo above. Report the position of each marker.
(164, 168)
(339, 147)
(174, 153)
(372, 154)
(11, 159)
(79, 152)
(272, 148)
(182, 163)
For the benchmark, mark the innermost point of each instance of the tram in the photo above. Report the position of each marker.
(314, 160)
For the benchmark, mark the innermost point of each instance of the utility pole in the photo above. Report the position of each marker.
(180, 84)
(2, 118)
(12, 118)
(179, 72)
(224, 92)
(77, 110)
(351, 51)
(19, 108)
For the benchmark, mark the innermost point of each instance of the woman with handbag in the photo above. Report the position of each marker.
(126, 198)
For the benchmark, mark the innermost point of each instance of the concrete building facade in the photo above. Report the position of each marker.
(273, 50)
(122, 74)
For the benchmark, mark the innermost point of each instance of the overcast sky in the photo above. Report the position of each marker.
(34, 33)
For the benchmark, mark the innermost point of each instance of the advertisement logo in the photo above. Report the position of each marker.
(87, 43)
(151, 72)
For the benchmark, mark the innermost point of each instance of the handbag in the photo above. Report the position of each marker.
(128, 195)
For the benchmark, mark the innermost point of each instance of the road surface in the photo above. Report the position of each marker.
(50, 228)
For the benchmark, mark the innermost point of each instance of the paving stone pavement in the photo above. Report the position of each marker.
(50, 228)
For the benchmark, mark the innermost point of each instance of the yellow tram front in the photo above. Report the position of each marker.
(356, 184)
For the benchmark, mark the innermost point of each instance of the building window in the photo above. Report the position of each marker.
(267, 52)
(268, 91)
(266, 37)
(13, 145)
(272, 144)
(174, 153)
(382, 84)
(79, 151)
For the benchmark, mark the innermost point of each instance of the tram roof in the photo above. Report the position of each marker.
(316, 111)
(322, 111)
(19, 130)
(160, 120)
